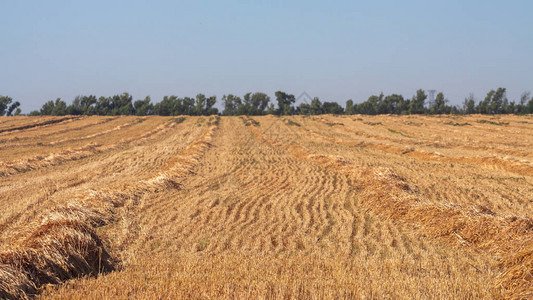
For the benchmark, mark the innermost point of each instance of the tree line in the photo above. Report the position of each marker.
(495, 102)
(8, 107)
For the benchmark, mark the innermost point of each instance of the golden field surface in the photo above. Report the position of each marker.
(299, 207)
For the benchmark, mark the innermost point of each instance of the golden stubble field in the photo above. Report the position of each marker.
(355, 207)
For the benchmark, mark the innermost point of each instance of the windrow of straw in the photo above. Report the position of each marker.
(53, 159)
(430, 143)
(392, 197)
(65, 244)
(38, 124)
(104, 132)
(122, 201)
(40, 161)
(510, 238)
(18, 138)
(69, 140)
(518, 276)
(508, 164)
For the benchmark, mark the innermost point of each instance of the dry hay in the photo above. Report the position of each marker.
(518, 277)
(392, 197)
(38, 124)
(53, 159)
(63, 246)
(70, 128)
(273, 194)
(23, 165)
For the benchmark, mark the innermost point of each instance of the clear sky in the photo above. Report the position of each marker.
(335, 50)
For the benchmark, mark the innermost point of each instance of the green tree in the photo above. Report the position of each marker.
(231, 104)
(143, 107)
(210, 108)
(522, 107)
(60, 108)
(204, 106)
(5, 102)
(285, 103)
(75, 107)
(88, 104)
(469, 105)
(350, 109)
(390, 104)
(494, 103)
(169, 106)
(256, 103)
(524, 98)
(499, 101)
(104, 106)
(271, 110)
(188, 106)
(304, 109)
(316, 107)
(403, 105)
(439, 106)
(54, 108)
(417, 104)
(200, 103)
(529, 107)
(13, 108)
(332, 108)
(122, 104)
(370, 106)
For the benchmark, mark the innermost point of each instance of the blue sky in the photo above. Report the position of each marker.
(335, 50)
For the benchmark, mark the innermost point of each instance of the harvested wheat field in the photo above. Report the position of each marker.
(349, 207)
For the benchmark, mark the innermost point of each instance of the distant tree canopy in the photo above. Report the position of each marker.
(495, 102)
(251, 104)
(174, 106)
(8, 107)
(54, 108)
(285, 103)
(143, 107)
(440, 105)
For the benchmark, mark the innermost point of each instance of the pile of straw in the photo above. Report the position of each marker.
(64, 246)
